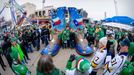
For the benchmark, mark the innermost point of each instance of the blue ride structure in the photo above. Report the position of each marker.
(75, 22)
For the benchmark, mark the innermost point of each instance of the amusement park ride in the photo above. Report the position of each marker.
(75, 23)
(13, 7)
(58, 22)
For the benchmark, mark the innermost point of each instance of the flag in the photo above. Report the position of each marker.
(58, 18)
(78, 22)
(76, 19)
(56, 21)
(78, 29)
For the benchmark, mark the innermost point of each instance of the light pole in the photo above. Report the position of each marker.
(105, 14)
(43, 1)
(116, 8)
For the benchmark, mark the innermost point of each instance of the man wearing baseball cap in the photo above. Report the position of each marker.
(113, 67)
(16, 52)
(131, 35)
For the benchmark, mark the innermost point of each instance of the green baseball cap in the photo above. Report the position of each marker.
(82, 64)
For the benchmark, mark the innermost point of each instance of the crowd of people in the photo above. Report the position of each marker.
(16, 45)
(113, 49)
(67, 38)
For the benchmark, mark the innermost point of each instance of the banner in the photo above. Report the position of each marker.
(76, 20)
(58, 18)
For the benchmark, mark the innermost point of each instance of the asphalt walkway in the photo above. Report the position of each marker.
(60, 60)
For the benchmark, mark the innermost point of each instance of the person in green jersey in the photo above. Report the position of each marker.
(16, 52)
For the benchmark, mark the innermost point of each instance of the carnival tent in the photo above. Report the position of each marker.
(120, 19)
(118, 25)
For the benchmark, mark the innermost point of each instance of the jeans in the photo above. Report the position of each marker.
(33, 43)
(68, 43)
(85, 35)
(28, 47)
(64, 44)
(37, 43)
(23, 62)
(28, 73)
(2, 63)
(42, 39)
(49, 37)
(132, 60)
(9, 59)
(45, 37)
(72, 43)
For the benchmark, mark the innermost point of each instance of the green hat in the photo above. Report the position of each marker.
(23, 70)
(131, 49)
(13, 39)
(20, 69)
(125, 42)
(82, 64)
(128, 69)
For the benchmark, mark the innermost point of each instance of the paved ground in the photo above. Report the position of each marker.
(59, 60)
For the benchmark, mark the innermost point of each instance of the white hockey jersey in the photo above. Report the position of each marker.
(98, 59)
(115, 65)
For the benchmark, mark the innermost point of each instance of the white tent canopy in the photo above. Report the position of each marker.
(118, 25)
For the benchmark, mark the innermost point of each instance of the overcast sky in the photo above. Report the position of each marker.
(95, 8)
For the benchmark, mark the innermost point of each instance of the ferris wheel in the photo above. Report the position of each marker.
(15, 10)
